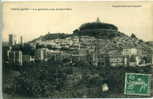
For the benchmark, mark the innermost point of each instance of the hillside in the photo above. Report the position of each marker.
(89, 35)
(119, 41)
(77, 79)
(50, 36)
(78, 65)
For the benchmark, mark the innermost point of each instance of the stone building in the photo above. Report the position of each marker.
(131, 51)
(116, 60)
(27, 59)
(18, 57)
(12, 39)
(15, 57)
(137, 57)
(41, 54)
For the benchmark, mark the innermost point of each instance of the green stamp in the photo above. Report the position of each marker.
(137, 84)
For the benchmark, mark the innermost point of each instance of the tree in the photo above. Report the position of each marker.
(75, 31)
(28, 49)
(133, 36)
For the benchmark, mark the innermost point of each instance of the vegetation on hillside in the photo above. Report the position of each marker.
(55, 79)
(64, 78)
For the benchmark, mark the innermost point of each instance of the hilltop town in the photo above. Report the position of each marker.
(94, 45)
(95, 54)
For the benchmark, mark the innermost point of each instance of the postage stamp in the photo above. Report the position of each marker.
(137, 84)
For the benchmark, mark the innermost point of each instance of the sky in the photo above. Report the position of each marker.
(34, 19)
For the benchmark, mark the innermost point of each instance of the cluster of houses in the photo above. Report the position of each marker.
(17, 57)
(67, 43)
(86, 49)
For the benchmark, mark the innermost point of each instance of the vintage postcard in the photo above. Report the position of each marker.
(77, 50)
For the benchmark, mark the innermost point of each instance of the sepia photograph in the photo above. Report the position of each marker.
(77, 49)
